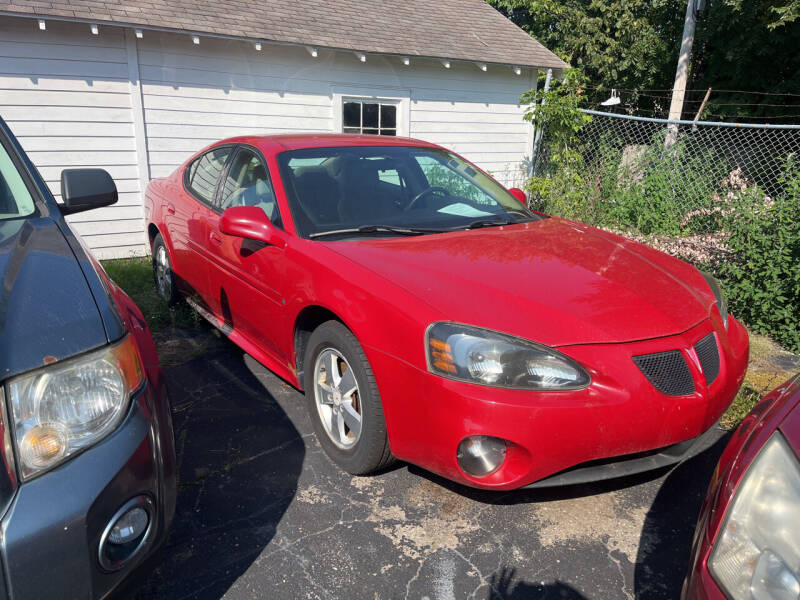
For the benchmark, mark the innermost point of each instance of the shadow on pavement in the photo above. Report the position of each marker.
(239, 460)
(504, 587)
(669, 526)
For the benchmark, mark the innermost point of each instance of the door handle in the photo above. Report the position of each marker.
(170, 209)
(215, 238)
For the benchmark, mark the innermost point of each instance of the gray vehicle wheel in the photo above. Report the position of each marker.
(162, 272)
(343, 401)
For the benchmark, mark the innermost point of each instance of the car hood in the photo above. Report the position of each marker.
(47, 311)
(553, 281)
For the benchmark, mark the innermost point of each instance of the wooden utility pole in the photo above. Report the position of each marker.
(682, 72)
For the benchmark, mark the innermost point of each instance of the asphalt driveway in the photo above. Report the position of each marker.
(262, 513)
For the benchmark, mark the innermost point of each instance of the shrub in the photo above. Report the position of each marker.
(762, 274)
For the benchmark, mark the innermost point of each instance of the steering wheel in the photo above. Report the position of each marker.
(427, 191)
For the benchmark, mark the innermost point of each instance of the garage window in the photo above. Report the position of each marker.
(369, 116)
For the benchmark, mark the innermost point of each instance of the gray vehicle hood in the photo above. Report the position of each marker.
(47, 310)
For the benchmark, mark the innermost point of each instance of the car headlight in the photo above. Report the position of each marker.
(490, 358)
(61, 409)
(757, 553)
(721, 303)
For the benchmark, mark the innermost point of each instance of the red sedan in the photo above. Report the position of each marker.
(747, 543)
(430, 316)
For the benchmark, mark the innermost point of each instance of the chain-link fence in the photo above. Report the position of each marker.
(674, 178)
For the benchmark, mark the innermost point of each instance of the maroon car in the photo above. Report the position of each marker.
(747, 543)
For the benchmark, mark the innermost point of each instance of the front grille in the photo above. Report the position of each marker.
(708, 354)
(667, 371)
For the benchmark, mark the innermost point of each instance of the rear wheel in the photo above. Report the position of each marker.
(162, 272)
(343, 401)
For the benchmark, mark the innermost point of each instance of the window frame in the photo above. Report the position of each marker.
(361, 127)
(399, 98)
(21, 162)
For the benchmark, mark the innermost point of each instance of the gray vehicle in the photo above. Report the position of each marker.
(87, 476)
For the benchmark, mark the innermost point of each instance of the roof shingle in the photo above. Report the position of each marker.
(455, 29)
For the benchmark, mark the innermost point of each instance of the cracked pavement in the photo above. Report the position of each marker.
(262, 513)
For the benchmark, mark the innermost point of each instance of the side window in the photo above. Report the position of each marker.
(247, 184)
(203, 174)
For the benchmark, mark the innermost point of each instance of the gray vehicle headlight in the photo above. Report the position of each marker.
(490, 358)
(757, 553)
(721, 303)
(66, 407)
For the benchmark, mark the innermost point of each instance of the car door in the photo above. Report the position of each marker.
(197, 208)
(248, 277)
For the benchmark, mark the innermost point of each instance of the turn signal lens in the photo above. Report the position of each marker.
(43, 445)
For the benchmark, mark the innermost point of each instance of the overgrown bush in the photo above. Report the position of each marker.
(762, 274)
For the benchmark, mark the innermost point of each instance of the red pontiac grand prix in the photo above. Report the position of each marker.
(430, 316)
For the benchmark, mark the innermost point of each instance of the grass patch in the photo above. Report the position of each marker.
(769, 366)
(135, 276)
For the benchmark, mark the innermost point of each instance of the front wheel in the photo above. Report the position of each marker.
(343, 401)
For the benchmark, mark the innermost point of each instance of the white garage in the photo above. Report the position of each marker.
(136, 89)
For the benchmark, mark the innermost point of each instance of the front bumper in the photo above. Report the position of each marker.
(52, 530)
(618, 415)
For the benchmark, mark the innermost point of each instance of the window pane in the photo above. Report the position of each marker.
(205, 175)
(388, 116)
(388, 132)
(352, 114)
(370, 131)
(15, 199)
(450, 175)
(248, 184)
(352, 130)
(370, 115)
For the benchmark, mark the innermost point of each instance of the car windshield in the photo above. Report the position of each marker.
(391, 190)
(15, 199)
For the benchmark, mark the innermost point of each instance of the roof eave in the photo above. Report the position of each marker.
(556, 65)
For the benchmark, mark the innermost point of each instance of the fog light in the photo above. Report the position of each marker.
(127, 533)
(481, 455)
(129, 526)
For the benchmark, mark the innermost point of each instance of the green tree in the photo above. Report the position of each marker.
(615, 43)
(781, 13)
(739, 46)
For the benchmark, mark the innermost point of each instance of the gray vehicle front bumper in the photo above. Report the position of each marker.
(52, 530)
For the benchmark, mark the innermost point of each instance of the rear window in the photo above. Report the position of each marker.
(203, 174)
(15, 199)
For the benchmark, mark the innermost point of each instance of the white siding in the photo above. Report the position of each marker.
(65, 94)
(68, 96)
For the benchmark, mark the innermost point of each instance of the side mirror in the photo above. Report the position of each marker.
(519, 195)
(252, 223)
(85, 189)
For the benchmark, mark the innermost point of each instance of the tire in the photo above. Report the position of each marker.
(163, 276)
(333, 352)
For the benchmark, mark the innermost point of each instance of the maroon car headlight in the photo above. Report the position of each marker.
(488, 357)
(63, 408)
(757, 552)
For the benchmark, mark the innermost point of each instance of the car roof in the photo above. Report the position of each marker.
(298, 141)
